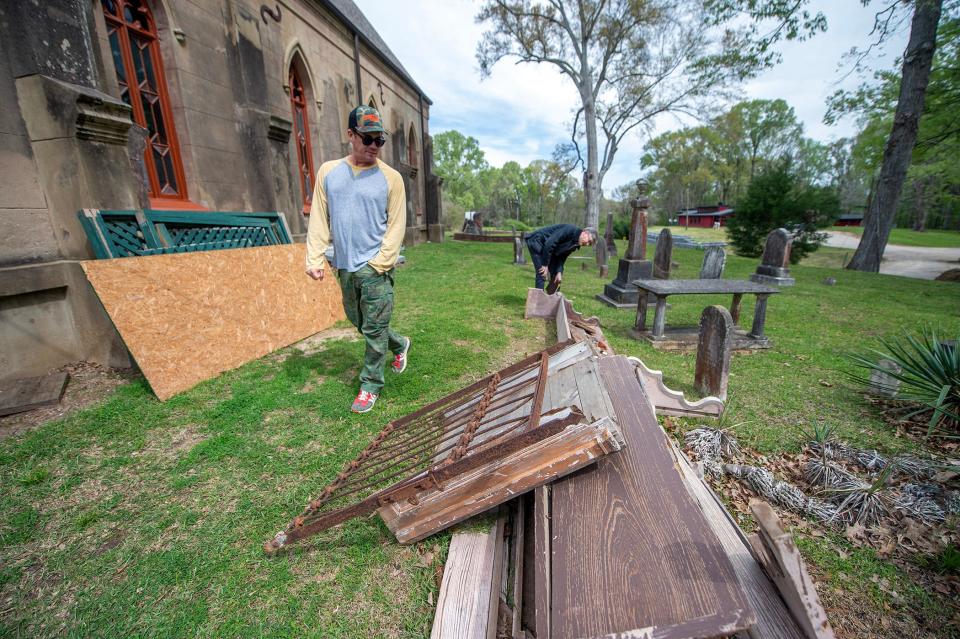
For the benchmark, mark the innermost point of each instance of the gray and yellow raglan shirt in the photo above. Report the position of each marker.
(364, 209)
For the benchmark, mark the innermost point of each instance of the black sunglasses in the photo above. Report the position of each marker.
(369, 139)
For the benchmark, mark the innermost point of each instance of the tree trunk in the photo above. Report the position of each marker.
(591, 182)
(896, 156)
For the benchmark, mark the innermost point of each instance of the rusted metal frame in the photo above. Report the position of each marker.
(434, 427)
(504, 374)
(449, 428)
(471, 428)
(435, 439)
(541, 387)
(300, 528)
(502, 392)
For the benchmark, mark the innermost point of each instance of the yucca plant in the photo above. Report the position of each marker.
(929, 376)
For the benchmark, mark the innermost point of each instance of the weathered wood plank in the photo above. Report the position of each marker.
(21, 395)
(516, 588)
(501, 480)
(631, 551)
(463, 605)
(773, 619)
(496, 576)
(789, 572)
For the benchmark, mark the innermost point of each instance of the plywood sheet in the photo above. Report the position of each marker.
(631, 552)
(188, 317)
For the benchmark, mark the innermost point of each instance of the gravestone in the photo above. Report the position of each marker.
(713, 352)
(621, 293)
(609, 239)
(663, 256)
(883, 383)
(518, 243)
(714, 259)
(602, 256)
(774, 266)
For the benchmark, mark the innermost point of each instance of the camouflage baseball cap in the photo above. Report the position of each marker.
(365, 120)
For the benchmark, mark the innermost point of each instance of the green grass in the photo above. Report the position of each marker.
(141, 518)
(908, 237)
(698, 234)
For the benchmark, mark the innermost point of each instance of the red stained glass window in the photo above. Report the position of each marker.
(301, 132)
(136, 57)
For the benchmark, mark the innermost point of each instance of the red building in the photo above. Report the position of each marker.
(705, 216)
(849, 219)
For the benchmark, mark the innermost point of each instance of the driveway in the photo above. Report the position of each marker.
(920, 262)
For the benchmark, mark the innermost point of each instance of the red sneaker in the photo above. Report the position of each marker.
(364, 402)
(400, 360)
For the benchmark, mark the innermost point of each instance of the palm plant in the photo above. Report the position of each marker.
(929, 376)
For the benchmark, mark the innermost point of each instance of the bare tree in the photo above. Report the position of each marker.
(631, 60)
(917, 62)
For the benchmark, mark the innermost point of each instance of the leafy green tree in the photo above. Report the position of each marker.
(630, 60)
(459, 160)
(778, 198)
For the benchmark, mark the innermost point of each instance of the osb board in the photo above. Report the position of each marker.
(187, 317)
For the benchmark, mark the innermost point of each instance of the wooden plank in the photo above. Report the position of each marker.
(671, 402)
(774, 620)
(542, 562)
(516, 588)
(631, 551)
(501, 480)
(496, 576)
(21, 395)
(463, 605)
(528, 617)
(187, 318)
(594, 401)
(789, 572)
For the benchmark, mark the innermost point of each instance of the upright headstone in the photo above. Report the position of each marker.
(774, 266)
(519, 241)
(621, 293)
(713, 352)
(663, 255)
(882, 382)
(602, 258)
(714, 259)
(609, 239)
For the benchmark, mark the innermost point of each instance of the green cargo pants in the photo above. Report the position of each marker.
(368, 302)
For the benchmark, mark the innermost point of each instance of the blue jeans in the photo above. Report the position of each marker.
(553, 265)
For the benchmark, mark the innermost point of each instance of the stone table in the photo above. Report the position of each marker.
(661, 289)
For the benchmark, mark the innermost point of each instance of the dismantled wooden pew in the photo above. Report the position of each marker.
(464, 454)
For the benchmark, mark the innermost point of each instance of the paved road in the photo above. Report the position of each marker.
(919, 262)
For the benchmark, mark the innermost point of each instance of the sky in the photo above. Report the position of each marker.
(522, 111)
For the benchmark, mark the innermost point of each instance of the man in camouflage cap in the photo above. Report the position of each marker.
(362, 201)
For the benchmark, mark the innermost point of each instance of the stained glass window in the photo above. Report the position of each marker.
(132, 33)
(301, 132)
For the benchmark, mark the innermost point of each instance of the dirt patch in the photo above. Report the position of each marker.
(89, 384)
(315, 343)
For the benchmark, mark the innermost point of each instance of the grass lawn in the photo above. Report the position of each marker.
(908, 237)
(141, 518)
(698, 234)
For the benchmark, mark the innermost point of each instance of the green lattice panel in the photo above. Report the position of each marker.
(204, 246)
(254, 236)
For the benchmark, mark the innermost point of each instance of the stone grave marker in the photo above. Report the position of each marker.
(621, 293)
(774, 266)
(663, 255)
(714, 259)
(713, 352)
(519, 241)
(885, 384)
(608, 237)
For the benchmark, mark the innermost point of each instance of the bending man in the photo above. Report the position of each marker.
(362, 201)
(551, 246)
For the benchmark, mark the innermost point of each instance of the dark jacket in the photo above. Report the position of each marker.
(554, 244)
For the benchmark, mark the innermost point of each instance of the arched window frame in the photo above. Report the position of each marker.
(300, 107)
(133, 20)
(412, 158)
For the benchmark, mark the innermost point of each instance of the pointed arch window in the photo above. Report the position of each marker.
(134, 42)
(412, 147)
(301, 131)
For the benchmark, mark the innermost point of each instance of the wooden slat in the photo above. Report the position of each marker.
(631, 551)
(21, 395)
(789, 572)
(463, 605)
(773, 618)
(542, 573)
(496, 575)
(516, 587)
(501, 480)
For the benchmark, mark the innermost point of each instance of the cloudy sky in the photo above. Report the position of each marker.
(523, 111)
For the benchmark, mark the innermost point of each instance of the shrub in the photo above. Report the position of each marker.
(777, 198)
(516, 225)
(929, 376)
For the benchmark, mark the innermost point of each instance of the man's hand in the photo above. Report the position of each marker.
(315, 273)
(545, 272)
(557, 278)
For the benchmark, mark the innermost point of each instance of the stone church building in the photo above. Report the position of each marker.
(202, 105)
